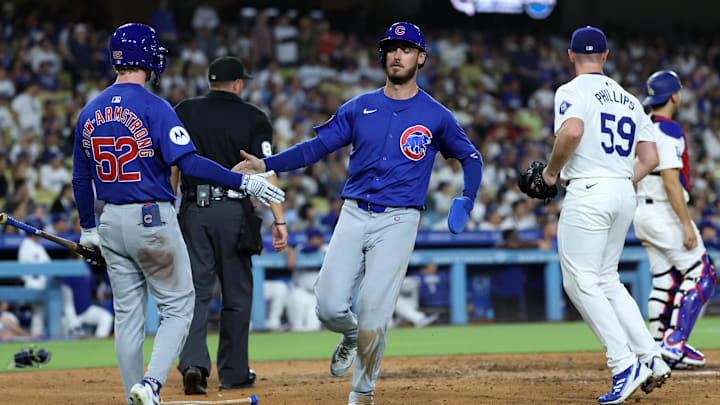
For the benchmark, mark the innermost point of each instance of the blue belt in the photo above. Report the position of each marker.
(366, 206)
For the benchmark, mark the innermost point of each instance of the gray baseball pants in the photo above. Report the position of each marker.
(141, 258)
(368, 253)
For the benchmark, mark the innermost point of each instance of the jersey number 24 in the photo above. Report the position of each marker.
(625, 129)
(115, 164)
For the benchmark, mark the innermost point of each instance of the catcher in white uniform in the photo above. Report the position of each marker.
(683, 276)
(599, 129)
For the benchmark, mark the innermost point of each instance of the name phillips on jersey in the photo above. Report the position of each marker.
(612, 96)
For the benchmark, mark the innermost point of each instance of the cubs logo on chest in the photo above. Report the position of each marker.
(414, 142)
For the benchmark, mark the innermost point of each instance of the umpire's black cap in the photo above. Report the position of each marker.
(227, 69)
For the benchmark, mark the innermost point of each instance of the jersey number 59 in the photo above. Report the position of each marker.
(115, 165)
(625, 129)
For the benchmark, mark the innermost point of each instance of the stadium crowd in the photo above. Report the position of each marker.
(499, 86)
(500, 89)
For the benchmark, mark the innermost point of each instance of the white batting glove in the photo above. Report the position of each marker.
(257, 186)
(90, 237)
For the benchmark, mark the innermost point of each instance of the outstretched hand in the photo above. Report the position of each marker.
(251, 164)
(259, 187)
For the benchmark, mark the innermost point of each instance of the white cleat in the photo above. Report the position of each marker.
(143, 394)
(660, 373)
(342, 358)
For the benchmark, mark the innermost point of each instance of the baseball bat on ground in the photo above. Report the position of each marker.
(249, 400)
(85, 251)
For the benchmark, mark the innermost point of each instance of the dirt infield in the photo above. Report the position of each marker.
(558, 378)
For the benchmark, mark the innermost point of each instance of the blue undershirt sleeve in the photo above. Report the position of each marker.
(472, 175)
(301, 155)
(193, 165)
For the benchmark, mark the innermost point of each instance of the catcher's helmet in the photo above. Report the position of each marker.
(660, 86)
(135, 44)
(403, 31)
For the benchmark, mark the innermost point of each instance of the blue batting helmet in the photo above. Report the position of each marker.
(403, 31)
(135, 44)
(660, 86)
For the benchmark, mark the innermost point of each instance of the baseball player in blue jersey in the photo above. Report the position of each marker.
(683, 276)
(395, 132)
(126, 141)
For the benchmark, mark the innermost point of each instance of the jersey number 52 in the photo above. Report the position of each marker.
(625, 129)
(106, 159)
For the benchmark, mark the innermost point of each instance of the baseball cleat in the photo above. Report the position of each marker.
(360, 399)
(681, 355)
(625, 383)
(342, 358)
(143, 394)
(660, 373)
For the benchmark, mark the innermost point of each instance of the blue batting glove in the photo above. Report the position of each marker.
(459, 214)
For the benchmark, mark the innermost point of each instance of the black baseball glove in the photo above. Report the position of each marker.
(531, 182)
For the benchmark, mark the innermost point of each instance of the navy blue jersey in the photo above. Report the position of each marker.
(126, 140)
(394, 145)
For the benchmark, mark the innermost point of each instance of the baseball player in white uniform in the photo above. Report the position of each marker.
(599, 129)
(683, 275)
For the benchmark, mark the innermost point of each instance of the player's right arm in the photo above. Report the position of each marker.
(676, 197)
(332, 135)
(569, 109)
(567, 139)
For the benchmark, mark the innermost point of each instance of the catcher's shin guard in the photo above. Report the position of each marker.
(662, 301)
(696, 288)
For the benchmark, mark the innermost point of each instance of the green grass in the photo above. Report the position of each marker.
(441, 340)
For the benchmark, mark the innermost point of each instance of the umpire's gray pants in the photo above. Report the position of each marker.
(370, 251)
(139, 257)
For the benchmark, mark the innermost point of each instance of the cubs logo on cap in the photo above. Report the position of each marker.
(414, 141)
(400, 30)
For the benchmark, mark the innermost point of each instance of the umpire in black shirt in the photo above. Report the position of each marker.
(220, 227)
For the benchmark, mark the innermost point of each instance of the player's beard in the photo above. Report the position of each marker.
(400, 77)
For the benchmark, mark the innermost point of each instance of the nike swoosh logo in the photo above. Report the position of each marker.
(589, 186)
(366, 111)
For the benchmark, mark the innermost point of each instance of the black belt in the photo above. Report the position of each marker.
(655, 174)
(369, 207)
(192, 195)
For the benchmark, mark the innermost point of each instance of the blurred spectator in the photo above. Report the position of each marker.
(59, 224)
(275, 292)
(65, 201)
(262, 38)
(43, 53)
(709, 235)
(521, 218)
(434, 287)
(80, 291)
(301, 300)
(205, 17)
(7, 88)
(286, 42)
(31, 251)
(163, 20)
(408, 303)
(27, 106)
(53, 175)
(9, 325)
